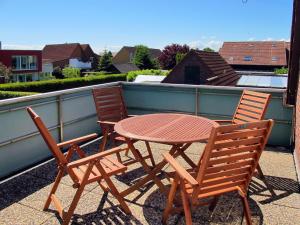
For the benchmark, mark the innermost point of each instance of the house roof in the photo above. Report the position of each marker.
(264, 53)
(219, 72)
(58, 52)
(125, 67)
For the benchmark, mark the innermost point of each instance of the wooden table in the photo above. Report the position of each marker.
(177, 130)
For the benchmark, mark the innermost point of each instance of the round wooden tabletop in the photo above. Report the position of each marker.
(166, 128)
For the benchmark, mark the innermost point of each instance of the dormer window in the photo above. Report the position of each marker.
(247, 58)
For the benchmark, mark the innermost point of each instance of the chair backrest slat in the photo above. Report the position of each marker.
(231, 155)
(51, 143)
(109, 104)
(252, 107)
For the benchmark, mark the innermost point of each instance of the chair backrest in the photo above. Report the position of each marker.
(51, 143)
(109, 104)
(231, 156)
(252, 107)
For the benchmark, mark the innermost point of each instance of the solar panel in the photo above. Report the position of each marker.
(263, 81)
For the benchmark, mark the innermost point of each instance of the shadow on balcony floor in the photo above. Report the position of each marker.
(22, 198)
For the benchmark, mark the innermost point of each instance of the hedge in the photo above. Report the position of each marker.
(14, 94)
(61, 84)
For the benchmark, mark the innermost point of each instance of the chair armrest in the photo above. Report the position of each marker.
(180, 170)
(109, 123)
(96, 156)
(77, 140)
(223, 121)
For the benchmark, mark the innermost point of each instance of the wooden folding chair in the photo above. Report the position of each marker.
(95, 168)
(252, 107)
(111, 109)
(229, 162)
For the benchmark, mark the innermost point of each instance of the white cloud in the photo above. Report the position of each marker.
(251, 39)
(210, 42)
(22, 47)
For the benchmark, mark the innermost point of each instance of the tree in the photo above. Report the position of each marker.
(167, 59)
(142, 58)
(207, 49)
(179, 57)
(105, 61)
(5, 72)
(70, 72)
(57, 72)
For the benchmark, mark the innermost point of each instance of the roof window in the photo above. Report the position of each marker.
(247, 58)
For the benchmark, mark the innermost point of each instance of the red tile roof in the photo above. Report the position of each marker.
(266, 53)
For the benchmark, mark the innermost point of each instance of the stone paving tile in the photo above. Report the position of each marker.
(20, 187)
(17, 214)
(37, 200)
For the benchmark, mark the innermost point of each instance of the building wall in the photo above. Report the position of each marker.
(297, 132)
(121, 57)
(6, 59)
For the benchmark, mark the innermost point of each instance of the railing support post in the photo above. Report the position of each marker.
(196, 101)
(60, 118)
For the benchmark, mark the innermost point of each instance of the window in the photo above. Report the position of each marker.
(24, 62)
(247, 58)
(274, 58)
(192, 75)
(231, 58)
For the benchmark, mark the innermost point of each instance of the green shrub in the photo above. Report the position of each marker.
(133, 74)
(61, 84)
(14, 94)
(281, 70)
(70, 72)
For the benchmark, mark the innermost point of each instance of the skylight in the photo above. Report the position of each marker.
(247, 58)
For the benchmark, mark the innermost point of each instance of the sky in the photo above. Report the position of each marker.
(111, 24)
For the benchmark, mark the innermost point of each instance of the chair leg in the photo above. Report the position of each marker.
(67, 216)
(54, 187)
(104, 140)
(117, 195)
(186, 204)
(262, 176)
(170, 200)
(150, 153)
(247, 211)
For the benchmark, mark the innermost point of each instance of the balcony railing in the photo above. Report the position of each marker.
(71, 113)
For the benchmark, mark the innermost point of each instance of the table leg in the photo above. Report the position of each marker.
(147, 169)
(174, 151)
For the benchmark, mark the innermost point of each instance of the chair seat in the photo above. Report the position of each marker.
(110, 165)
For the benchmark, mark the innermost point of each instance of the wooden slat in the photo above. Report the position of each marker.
(232, 158)
(245, 118)
(237, 164)
(258, 94)
(227, 172)
(220, 180)
(250, 108)
(58, 206)
(255, 99)
(240, 134)
(222, 186)
(258, 105)
(249, 114)
(237, 150)
(249, 141)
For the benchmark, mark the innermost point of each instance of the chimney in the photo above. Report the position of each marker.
(0, 45)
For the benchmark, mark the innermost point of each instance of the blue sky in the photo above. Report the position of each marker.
(111, 24)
